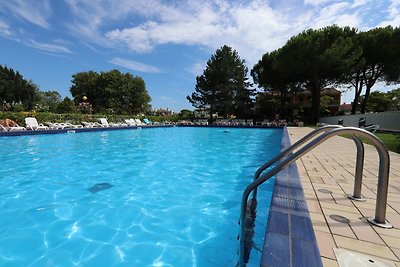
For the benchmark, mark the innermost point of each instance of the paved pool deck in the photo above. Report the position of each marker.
(327, 176)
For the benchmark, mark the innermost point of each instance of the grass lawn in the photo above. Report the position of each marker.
(389, 140)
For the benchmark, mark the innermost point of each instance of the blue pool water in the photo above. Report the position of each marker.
(150, 197)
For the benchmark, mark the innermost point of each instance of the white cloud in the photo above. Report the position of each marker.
(358, 3)
(133, 65)
(35, 12)
(197, 68)
(255, 25)
(5, 29)
(251, 27)
(394, 14)
(52, 48)
(315, 2)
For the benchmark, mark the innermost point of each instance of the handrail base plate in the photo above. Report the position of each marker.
(381, 225)
(360, 199)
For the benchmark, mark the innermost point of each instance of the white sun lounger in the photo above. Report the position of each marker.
(32, 124)
(70, 125)
(11, 129)
(139, 122)
(54, 125)
(105, 123)
(130, 122)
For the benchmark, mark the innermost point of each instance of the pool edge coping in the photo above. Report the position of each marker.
(290, 239)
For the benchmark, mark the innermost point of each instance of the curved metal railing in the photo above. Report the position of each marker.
(383, 179)
(359, 164)
(290, 149)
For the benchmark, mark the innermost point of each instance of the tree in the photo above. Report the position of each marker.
(394, 96)
(66, 106)
(223, 86)
(112, 92)
(47, 101)
(324, 108)
(319, 58)
(271, 74)
(266, 106)
(14, 89)
(312, 60)
(380, 48)
(378, 102)
(186, 114)
(90, 85)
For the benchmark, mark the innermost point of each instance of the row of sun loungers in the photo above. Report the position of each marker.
(32, 124)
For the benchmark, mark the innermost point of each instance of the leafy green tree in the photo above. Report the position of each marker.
(186, 114)
(111, 92)
(126, 93)
(267, 106)
(325, 105)
(47, 101)
(14, 89)
(223, 86)
(378, 102)
(90, 85)
(394, 96)
(66, 106)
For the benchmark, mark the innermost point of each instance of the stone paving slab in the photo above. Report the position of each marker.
(327, 176)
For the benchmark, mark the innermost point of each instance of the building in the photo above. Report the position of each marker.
(300, 101)
(162, 112)
(345, 108)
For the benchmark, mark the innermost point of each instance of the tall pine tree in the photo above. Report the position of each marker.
(223, 86)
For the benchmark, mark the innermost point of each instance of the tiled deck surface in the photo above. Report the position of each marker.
(327, 175)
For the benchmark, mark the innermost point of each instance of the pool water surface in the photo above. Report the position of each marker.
(150, 197)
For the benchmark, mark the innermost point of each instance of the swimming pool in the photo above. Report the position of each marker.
(150, 197)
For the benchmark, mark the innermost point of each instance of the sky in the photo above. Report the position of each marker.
(167, 43)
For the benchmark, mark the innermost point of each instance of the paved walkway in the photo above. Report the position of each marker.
(327, 175)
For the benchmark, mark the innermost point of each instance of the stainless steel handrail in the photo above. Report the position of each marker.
(359, 170)
(359, 164)
(383, 179)
(290, 149)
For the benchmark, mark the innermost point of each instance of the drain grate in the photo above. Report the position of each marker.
(348, 258)
(339, 218)
(325, 191)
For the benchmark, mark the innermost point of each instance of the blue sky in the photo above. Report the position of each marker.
(167, 43)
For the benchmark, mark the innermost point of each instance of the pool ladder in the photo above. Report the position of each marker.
(287, 156)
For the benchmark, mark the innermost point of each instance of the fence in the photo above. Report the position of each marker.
(386, 120)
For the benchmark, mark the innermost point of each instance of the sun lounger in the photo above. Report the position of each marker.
(104, 123)
(87, 124)
(371, 128)
(11, 128)
(139, 122)
(130, 122)
(147, 121)
(70, 125)
(53, 125)
(8, 125)
(32, 124)
(91, 124)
